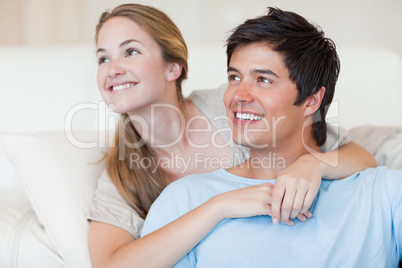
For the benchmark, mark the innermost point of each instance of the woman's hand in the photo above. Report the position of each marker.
(296, 186)
(246, 202)
(295, 189)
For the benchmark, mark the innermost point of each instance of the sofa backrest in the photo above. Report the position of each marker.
(44, 89)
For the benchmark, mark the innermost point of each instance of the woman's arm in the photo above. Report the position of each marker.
(110, 246)
(344, 162)
(297, 185)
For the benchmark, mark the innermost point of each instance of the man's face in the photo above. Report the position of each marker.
(260, 99)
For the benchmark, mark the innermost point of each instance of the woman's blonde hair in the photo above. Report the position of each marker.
(141, 185)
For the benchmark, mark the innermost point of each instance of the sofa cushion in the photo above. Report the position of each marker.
(23, 240)
(385, 143)
(59, 177)
(8, 176)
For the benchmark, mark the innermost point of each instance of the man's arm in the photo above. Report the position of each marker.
(394, 187)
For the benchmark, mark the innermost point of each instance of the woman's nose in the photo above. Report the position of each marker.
(116, 68)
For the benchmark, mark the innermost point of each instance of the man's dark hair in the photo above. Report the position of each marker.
(310, 57)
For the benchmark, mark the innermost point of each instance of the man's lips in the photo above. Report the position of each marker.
(248, 116)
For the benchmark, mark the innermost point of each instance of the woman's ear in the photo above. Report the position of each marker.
(313, 102)
(174, 70)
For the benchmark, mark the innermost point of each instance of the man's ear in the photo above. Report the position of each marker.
(312, 104)
(174, 70)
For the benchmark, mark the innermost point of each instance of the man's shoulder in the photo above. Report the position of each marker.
(196, 178)
(185, 194)
(379, 177)
(390, 180)
(192, 183)
(381, 172)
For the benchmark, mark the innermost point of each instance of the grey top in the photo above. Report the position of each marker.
(109, 207)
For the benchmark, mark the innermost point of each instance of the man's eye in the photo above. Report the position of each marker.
(233, 78)
(264, 80)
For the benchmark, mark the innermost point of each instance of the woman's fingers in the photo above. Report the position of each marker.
(288, 202)
(277, 197)
(298, 203)
(246, 202)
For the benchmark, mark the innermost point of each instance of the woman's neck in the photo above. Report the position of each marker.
(163, 125)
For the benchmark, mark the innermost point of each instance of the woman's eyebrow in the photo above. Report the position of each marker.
(128, 41)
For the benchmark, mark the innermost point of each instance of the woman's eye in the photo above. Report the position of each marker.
(103, 60)
(132, 52)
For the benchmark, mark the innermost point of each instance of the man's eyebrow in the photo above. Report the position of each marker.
(232, 69)
(128, 41)
(262, 71)
(257, 71)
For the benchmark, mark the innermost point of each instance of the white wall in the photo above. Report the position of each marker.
(205, 23)
(42, 22)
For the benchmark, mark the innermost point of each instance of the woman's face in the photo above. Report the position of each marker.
(132, 74)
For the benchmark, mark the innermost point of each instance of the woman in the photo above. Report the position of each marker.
(161, 137)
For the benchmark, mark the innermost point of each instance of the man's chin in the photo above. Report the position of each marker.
(249, 143)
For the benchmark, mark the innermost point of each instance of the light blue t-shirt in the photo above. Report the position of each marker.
(357, 222)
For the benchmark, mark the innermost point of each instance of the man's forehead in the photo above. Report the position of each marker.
(258, 58)
(257, 49)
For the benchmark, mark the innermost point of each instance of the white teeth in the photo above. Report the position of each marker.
(247, 116)
(119, 87)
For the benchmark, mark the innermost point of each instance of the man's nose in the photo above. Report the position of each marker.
(243, 93)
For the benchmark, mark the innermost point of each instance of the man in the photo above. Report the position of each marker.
(282, 74)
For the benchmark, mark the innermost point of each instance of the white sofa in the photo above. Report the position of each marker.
(54, 129)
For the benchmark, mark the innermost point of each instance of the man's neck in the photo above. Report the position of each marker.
(268, 163)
